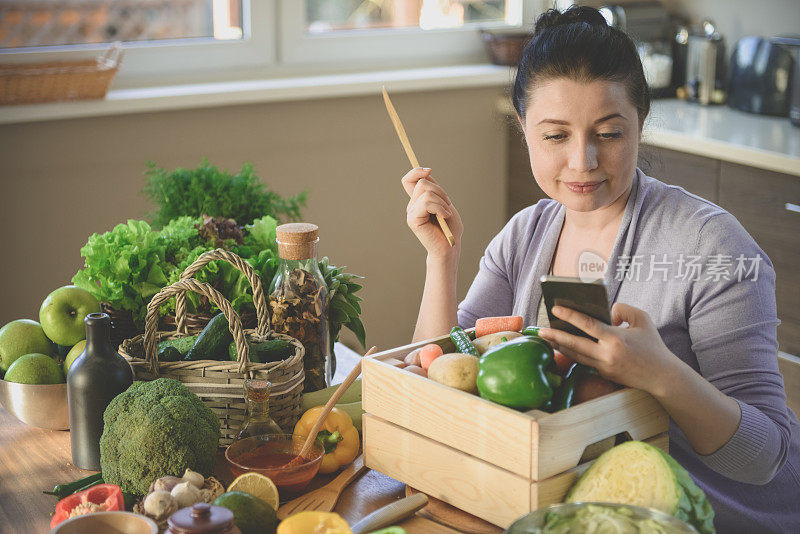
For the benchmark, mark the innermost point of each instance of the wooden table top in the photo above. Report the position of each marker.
(33, 460)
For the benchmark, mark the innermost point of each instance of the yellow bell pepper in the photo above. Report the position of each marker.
(338, 436)
(314, 523)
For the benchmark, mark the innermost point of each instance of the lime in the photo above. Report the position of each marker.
(250, 514)
(35, 369)
(258, 485)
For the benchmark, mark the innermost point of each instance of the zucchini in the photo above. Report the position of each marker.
(531, 331)
(319, 398)
(212, 342)
(355, 411)
(272, 350)
(462, 342)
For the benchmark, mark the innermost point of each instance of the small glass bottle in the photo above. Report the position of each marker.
(257, 422)
(299, 300)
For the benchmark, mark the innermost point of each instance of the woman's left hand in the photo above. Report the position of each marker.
(634, 356)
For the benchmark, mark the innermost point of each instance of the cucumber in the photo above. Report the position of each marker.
(272, 350)
(212, 342)
(462, 342)
(168, 353)
(182, 344)
(319, 398)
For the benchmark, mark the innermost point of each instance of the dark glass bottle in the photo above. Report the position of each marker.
(96, 376)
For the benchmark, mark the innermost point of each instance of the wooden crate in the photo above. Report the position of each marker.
(492, 461)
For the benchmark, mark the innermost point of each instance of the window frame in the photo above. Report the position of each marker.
(275, 44)
(258, 49)
(399, 44)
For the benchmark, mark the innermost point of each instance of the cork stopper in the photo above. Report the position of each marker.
(297, 241)
(257, 389)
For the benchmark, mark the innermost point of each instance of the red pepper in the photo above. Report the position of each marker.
(100, 498)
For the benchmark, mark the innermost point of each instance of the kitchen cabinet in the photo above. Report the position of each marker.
(696, 174)
(756, 197)
(759, 200)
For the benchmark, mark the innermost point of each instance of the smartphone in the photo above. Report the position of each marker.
(589, 298)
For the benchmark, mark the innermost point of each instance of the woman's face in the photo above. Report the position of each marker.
(583, 141)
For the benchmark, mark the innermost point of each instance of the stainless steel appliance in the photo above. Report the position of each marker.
(705, 66)
(651, 27)
(793, 44)
(760, 78)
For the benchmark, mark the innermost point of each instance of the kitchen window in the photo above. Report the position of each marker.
(218, 38)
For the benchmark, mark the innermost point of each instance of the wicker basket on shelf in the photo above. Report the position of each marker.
(505, 48)
(220, 384)
(30, 83)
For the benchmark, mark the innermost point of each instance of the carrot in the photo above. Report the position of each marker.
(492, 325)
(428, 353)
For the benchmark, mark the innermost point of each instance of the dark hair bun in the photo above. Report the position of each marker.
(573, 15)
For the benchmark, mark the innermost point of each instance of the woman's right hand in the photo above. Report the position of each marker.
(428, 198)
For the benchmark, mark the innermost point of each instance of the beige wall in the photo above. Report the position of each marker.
(60, 181)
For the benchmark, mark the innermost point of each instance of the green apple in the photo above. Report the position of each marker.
(73, 353)
(35, 369)
(21, 337)
(63, 311)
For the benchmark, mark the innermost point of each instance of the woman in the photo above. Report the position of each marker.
(704, 346)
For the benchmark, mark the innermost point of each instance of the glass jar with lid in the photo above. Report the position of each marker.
(299, 300)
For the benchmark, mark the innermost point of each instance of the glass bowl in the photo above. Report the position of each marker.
(268, 454)
(536, 522)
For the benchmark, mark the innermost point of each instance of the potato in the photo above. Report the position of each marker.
(413, 358)
(417, 370)
(490, 340)
(395, 362)
(456, 370)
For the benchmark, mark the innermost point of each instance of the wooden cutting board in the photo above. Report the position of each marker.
(453, 517)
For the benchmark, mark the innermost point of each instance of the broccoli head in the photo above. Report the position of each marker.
(155, 429)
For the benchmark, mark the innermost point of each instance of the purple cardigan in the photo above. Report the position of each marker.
(695, 270)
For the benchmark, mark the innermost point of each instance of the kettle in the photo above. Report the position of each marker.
(705, 66)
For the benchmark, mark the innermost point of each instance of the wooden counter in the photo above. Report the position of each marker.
(33, 460)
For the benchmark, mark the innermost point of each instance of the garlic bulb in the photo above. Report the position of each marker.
(194, 477)
(166, 483)
(186, 494)
(159, 504)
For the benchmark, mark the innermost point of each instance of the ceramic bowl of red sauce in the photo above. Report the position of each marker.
(271, 455)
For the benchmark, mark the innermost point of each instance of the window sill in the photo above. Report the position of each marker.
(150, 99)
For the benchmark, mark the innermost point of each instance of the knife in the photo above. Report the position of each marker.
(389, 514)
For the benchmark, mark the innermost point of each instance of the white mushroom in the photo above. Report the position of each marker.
(186, 494)
(194, 477)
(159, 504)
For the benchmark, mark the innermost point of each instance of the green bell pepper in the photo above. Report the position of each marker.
(514, 373)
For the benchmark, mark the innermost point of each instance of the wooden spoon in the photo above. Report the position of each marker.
(312, 435)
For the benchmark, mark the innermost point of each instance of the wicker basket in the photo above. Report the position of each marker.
(52, 82)
(123, 327)
(505, 48)
(220, 384)
(212, 487)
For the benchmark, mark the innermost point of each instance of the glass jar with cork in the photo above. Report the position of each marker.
(299, 300)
